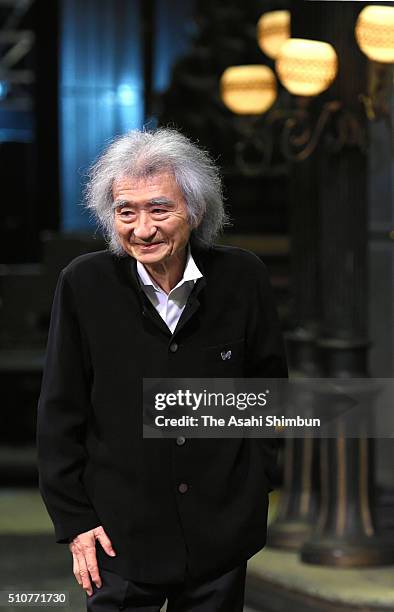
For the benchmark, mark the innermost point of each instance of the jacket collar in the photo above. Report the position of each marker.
(200, 251)
(190, 273)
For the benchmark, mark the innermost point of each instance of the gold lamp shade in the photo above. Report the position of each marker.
(248, 90)
(306, 67)
(273, 29)
(375, 32)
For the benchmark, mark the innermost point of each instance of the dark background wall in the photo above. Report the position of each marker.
(101, 67)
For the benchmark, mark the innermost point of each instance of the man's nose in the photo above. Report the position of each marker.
(144, 227)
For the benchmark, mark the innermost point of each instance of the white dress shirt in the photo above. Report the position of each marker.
(170, 306)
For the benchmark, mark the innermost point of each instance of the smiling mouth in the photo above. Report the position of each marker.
(147, 246)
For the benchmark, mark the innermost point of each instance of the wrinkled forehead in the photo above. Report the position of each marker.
(160, 187)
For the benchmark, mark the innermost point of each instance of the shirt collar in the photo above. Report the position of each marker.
(191, 272)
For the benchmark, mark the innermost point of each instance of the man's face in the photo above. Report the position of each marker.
(151, 218)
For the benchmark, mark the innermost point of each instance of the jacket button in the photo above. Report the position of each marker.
(173, 347)
(183, 487)
(180, 440)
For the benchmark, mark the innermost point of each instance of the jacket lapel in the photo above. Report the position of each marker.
(199, 251)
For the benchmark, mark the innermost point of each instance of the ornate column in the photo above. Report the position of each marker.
(346, 533)
(298, 503)
(297, 509)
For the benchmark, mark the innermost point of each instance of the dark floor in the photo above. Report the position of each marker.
(36, 563)
(30, 560)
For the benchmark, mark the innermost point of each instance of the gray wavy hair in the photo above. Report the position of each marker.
(139, 154)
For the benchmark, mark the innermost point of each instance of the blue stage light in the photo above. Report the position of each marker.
(4, 88)
(127, 95)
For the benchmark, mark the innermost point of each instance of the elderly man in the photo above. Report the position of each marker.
(153, 519)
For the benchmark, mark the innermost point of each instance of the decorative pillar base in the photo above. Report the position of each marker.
(346, 533)
(298, 502)
(366, 552)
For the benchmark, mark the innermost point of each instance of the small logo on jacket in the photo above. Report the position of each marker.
(225, 355)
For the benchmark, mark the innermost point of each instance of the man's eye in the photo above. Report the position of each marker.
(126, 213)
(159, 211)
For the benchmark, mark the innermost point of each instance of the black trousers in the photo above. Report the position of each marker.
(222, 594)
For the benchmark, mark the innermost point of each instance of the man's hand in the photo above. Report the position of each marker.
(83, 548)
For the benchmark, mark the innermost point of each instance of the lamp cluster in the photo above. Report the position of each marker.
(304, 67)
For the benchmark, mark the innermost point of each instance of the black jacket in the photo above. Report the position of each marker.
(94, 466)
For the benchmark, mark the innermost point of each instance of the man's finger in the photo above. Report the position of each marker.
(84, 574)
(104, 540)
(76, 570)
(75, 563)
(91, 563)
